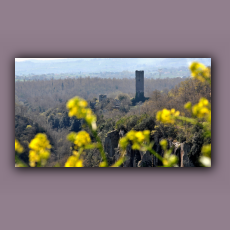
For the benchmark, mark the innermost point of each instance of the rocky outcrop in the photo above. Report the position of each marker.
(146, 159)
(185, 160)
(111, 142)
(135, 158)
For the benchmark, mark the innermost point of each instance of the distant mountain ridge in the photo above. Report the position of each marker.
(95, 65)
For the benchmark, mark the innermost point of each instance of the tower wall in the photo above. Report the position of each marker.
(139, 82)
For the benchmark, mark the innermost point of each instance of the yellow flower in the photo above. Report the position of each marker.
(188, 105)
(196, 67)
(173, 111)
(204, 101)
(83, 103)
(40, 142)
(39, 152)
(176, 114)
(73, 162)
(199, 71)
(78, 108)
(71, 103)
(124, 141)
(131, 135)
(167, 116)
(76, 153)
(136, 146)
(170, 160)
(173, 159)
(209, 117)
(146, 133)
(79, 163)
(18, 147)
(103, 164)
(164, 144)
(80, 139)
(202, 109)
(44, 154)
(138, 138)
(206, 150)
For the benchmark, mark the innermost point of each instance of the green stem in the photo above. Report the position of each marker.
(155, 153)
(119, 162)
(190, 120)
(100, 146)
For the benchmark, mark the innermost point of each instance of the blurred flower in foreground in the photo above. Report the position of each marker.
(39, 152)
(137, 138)
(202, 109)
(169, 160)
(73, 161)
(167, 116)
(78, 108)
(103, 164)
(80, 139)
(200, 71)
(205, 161)
(188, 105)
(18, 147)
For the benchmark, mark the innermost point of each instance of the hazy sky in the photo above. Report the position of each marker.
(24, 59)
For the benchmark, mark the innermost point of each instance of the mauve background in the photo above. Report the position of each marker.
(128, 198)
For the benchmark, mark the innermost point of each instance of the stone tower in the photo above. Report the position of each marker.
(139, 84)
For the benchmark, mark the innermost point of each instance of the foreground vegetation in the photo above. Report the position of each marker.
(90, 121)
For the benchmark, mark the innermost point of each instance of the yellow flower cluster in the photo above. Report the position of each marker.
(168, 160)
(39, 150)
(80, 139)
(136, 137)
(103, 164)
(202, 109)
(205, 159)
(206, 150)
(188, 105)
(167, 116)
(73, 161)
(200, 71)
(78, 108)
(164, 144)
(18, 147)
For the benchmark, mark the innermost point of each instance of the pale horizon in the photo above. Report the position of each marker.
(26, 59)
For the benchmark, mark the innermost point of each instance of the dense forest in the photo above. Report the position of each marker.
(40, 107)
(42, 95)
